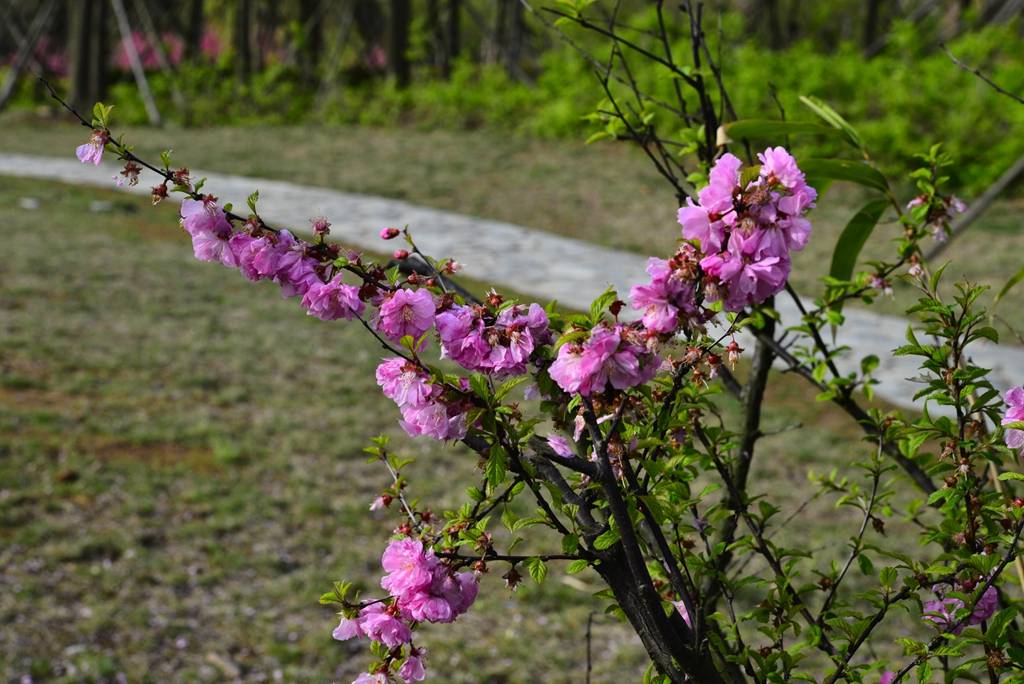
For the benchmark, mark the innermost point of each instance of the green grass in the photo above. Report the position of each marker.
(605, 193)
(181, 469)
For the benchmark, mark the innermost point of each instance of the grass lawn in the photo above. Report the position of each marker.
(606, 193)
(181, 473)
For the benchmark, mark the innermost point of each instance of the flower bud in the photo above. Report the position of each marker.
(389, 233)
(401, 254)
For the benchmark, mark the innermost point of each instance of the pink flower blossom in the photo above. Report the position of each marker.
(92, 151)
(388, 233)
(409, 566)
(1014, 398)
(610, 356)
(888, 677)
(986, 606)
(406, 312)
(502, 346)
(448, 596)
(204, 216)
(367, 678)
(942, 613)
(669, 295)
(413, 670)
(332, 300)
(380, 624)
(434, 419)
(561, 446)
(405, 383)
(348, 628)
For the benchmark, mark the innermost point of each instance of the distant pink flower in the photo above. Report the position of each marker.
(1014, 398)
(389, 233)
(92, 151)
(888, 677)
(406, 312)
(409, 567)
(332, 300)
(561, 446)
(245, 248)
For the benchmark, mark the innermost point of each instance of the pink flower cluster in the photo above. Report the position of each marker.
(1014, 413)
(940, 214)
(422, 589)
(611, 355)
(281, 258)
(424, 409)
(670, 298)
(746, 231)
(499, 345)
(942, 611)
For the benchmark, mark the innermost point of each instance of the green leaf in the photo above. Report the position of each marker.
(768, 129)
(603, 301)
(851, 241)
(577, 566)
(832, 118)
(252, 200)
(607, 539)
(818, 170)
(497, 466)
(538, 569)
(1017, 277)
(1011, 476)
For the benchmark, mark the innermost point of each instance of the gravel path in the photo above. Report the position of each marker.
(528, 261)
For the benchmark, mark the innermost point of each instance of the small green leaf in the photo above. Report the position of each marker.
(832, 118)
(497, 466)
(577, 566)
(607, 539)
(1017, 277)
(538, 569)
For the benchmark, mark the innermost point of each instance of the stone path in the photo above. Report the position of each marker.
(528, 261)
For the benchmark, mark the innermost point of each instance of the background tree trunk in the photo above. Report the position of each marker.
(454, 38)
(398, 45)
(194, 29)
(242, 40)
(88, 45)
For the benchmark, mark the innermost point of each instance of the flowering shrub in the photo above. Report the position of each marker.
(607, 421)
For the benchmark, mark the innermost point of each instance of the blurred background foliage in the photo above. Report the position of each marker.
(498, 64)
